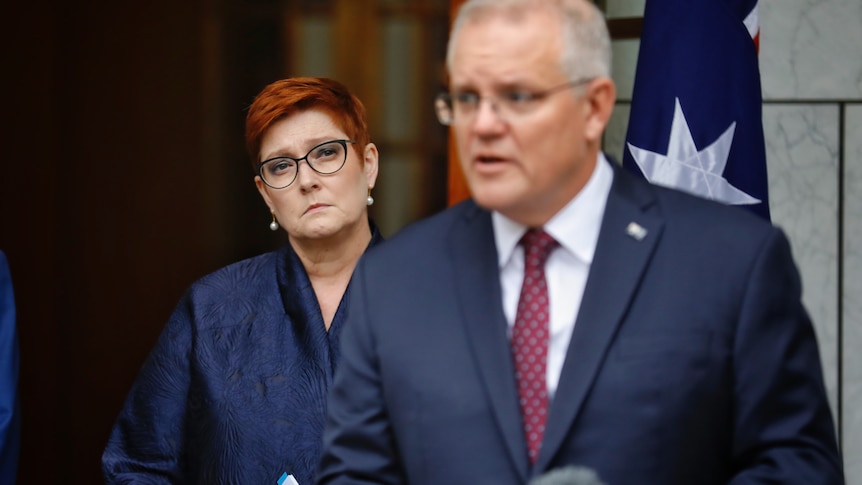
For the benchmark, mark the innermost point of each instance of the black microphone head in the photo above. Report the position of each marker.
(568, 475)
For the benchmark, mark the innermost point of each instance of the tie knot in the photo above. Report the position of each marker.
(538, 245)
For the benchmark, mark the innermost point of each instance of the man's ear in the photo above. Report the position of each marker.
(600, 96)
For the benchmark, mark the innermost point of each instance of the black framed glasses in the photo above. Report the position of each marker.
(325, 158)
(461, 108)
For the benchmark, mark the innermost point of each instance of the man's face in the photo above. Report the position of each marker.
(528, 165)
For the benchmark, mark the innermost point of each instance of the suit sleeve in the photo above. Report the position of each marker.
(359, 447)
(147, 443)
(784, 432)
(10, 418)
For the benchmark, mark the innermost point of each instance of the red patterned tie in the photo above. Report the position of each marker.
(530, 337)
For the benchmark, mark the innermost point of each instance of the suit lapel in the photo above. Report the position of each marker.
(627, 239)
(478, 287)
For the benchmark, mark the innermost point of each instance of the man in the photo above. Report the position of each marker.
(675, 349)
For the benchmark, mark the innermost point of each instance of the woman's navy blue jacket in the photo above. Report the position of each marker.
(235, 389)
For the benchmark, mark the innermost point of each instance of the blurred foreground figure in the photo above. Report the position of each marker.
(10, 410)
(571, 313)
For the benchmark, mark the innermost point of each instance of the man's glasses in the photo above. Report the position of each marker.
(326, 158)
(461, 108)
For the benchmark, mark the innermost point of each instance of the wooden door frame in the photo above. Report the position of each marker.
(458, 189)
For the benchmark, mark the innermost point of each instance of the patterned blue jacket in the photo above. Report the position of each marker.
(234, 391)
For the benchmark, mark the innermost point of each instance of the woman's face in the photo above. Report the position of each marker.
(317, 206)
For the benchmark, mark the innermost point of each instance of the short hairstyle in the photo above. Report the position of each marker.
(288, 96)
(586, 43)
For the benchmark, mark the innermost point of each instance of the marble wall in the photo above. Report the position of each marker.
(811, 69)
(803, 166)
(851, 292)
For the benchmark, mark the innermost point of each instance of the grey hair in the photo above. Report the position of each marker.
(586, 43)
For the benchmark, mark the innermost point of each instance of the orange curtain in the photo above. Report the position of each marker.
(458, 189)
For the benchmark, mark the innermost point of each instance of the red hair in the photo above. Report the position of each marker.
(288, 96)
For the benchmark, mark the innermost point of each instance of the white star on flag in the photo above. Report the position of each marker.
(687, 169)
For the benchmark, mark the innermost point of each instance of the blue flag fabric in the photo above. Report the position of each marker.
(696, 112)
(10, 420)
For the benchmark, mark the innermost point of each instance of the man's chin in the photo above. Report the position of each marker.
(494, 198)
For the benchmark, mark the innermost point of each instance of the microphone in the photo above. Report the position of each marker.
(568, 475)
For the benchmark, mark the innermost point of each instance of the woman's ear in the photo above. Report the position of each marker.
(262, 189)
(370, 156)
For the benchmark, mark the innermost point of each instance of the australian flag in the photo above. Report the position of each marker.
(696, 117)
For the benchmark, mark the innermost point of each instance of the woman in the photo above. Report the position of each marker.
(234, 391)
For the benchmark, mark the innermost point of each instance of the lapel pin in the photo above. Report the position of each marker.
(636, 231)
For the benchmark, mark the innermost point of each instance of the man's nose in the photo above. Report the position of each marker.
(488, 115)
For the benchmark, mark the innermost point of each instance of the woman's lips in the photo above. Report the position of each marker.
(315, 208)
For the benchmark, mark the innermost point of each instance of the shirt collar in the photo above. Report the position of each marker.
(576, 226)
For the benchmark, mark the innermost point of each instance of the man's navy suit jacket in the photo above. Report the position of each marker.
(692, 360)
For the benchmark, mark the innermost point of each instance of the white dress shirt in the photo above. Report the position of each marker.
(576, 229)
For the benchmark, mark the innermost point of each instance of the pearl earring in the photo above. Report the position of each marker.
(369, 200)
(273, 226)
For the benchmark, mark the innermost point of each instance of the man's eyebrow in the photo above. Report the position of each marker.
(460, 88)
(502, 87)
